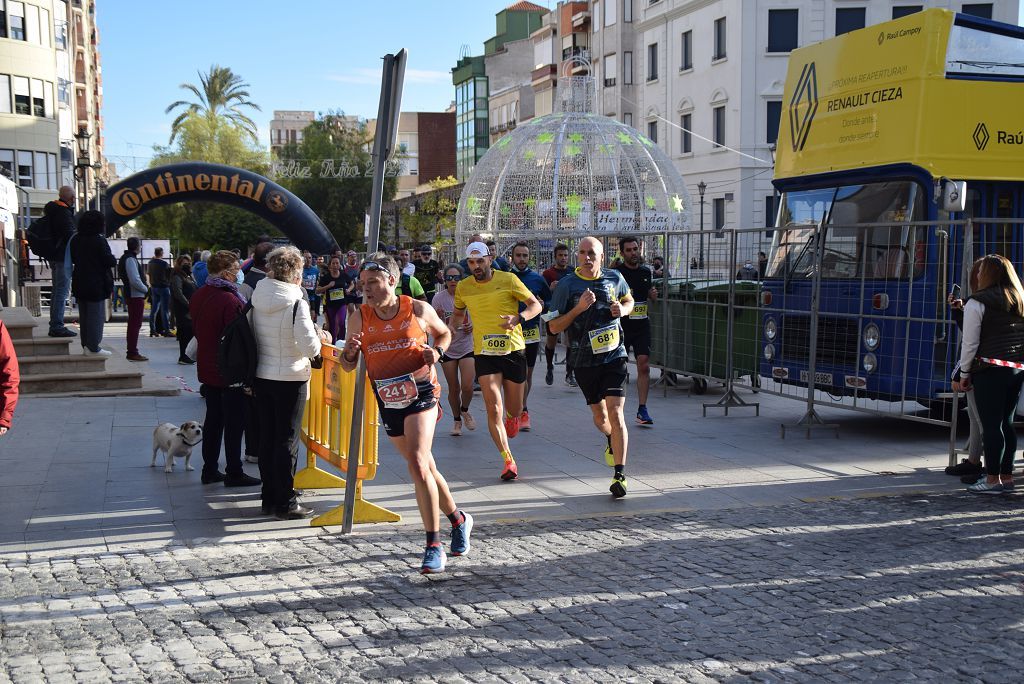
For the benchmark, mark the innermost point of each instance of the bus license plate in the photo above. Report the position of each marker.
(819, 378)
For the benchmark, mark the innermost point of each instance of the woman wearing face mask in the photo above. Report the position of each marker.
(183, 286)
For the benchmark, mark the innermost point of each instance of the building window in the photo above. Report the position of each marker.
(904, 10)
(39, 171)
(32, 24)
(687, 51)
(718, 213)
(686, 140)
(719, 39)
(22, 101)
(774, 111)
(769, 214)
(849, 19)
(978, 9)
(5, 94)
(60, 34)
(7, 163)
(38, 102)
(611, 68)
(610, 15)
(51, 172)
(44, 27)
(627, 11)
(16, 20)
(627, 67)
(719, 125)
(652, 62)
(24, 169)
(627, 118)
(652, 131)
(783, 30)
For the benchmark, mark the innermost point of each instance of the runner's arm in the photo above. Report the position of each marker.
(625, 306)
(532, 310)
(433, 326)
(353, 336)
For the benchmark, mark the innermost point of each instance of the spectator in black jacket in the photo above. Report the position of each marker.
(258, 270)
(92, 280)
(61, 215)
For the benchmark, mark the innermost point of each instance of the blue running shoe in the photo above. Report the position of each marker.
(460, 536)
(433, 560)
(643, 417)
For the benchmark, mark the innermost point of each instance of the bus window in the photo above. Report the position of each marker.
(886, 249)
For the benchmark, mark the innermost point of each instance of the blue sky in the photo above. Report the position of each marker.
(305, 54)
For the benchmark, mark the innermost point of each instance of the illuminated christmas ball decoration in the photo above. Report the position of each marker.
(573, 171)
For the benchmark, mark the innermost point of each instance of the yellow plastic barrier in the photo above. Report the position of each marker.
(326, 429)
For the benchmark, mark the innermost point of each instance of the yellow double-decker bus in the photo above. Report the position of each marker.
(885, 131)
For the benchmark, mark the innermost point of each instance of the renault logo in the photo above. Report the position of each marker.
(981, 136)
(803, 106)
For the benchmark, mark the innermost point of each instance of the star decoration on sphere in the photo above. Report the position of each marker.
(544, 138)
(576, 137)
(624, 138)
(505, 210)
(531, 202)
(606, 149)
(473, 205)
(676, 203)
(646, 141)
(529, 154)
(651, 203)
(572, 150)
(505, 140)
(573, 205)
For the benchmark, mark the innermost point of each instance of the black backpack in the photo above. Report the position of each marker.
(122, 269)
(237, 351)
(40, 239)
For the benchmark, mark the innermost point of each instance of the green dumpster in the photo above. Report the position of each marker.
(694, 340)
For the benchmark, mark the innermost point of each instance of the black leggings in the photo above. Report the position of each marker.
(279, 406)
(184, 330)
(995, 391)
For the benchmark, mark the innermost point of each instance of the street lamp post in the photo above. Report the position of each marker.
(83, 162)
(701, 187)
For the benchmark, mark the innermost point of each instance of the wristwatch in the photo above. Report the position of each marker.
(440, 351)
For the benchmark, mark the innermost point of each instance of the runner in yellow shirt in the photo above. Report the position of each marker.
(492, 298)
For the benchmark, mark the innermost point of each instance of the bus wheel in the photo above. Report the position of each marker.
(700, 386)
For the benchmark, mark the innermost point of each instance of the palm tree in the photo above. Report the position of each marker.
(222, 94)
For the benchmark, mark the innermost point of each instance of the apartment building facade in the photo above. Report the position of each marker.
(704, 80)
(51, 95)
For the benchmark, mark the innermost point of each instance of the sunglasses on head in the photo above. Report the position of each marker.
(452, 276)
(372, 266)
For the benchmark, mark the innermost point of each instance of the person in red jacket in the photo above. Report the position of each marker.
(212, 307)
(10, 377)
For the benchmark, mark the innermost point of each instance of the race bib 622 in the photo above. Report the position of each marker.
(532, 335)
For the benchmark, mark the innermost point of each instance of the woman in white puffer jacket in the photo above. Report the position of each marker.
(286, 340)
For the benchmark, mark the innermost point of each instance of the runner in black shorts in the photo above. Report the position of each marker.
(391, 333)
(637, 326)
(590, 302)
(536, 284)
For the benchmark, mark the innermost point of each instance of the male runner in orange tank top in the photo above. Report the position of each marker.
(391, 332)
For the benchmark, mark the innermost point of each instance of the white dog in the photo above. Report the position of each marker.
(176, 440)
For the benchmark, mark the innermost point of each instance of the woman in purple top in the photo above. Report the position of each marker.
(457, 362)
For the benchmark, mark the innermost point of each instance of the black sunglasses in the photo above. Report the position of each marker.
(372, 266)
(452, 276)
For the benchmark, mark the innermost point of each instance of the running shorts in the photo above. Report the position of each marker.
(511, 366)
(637, 335)
(604, 380)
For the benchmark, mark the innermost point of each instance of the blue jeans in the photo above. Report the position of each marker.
(61, 287)
(158, 312)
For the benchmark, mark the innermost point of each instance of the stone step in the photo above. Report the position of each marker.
(20, 323)
(53, 383)
(136, 392)
(43, 346)
(61, 364)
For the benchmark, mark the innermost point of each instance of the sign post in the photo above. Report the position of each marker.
(383, 147)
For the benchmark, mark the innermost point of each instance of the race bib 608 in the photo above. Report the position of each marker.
(496, 345)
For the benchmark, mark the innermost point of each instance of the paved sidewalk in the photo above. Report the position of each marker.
(76, 471)
(884, 590)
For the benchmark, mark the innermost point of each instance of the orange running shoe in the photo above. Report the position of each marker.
(510, 471)
(524, 421)
(511, 426)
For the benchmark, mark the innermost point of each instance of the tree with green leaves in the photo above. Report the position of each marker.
(220, 96)
(339, 181)
(207, 224)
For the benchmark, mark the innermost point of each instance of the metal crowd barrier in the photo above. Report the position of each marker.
(326, 430)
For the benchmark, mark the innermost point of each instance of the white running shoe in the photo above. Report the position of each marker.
(468, 419)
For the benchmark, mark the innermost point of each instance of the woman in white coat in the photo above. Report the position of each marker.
(286, 340)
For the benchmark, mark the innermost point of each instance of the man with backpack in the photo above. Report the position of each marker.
(129, 270)
(60, 220)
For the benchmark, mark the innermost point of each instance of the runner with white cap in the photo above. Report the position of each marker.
(492, 298)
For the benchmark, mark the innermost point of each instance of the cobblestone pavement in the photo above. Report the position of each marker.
(885, 589)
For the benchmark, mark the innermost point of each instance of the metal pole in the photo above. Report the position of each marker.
(387, 124)
(700, 262)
